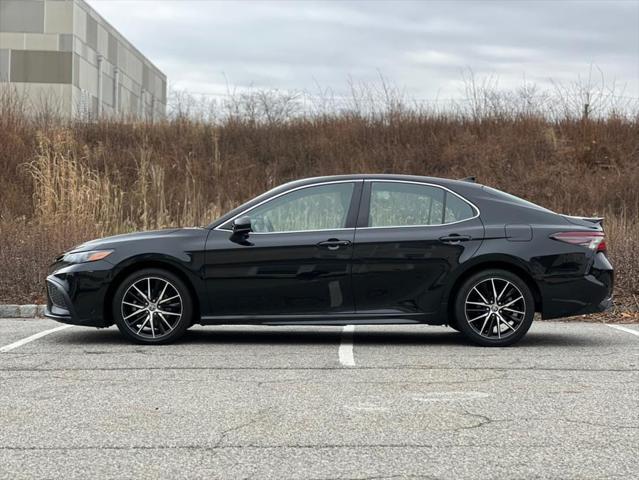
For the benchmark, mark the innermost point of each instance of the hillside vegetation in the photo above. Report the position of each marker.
(63, 183)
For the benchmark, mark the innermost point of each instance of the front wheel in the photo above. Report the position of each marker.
(494, 308)
(152, 306)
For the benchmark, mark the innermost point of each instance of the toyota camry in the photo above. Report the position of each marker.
(354, 249)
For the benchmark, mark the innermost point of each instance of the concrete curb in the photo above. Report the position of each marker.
(21, 311)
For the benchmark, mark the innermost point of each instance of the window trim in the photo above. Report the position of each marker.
(369, 192)
(266, 200)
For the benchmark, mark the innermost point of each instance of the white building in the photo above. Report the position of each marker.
(62, 55)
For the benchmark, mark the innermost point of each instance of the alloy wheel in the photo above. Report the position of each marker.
(151, 307)
(495, 308)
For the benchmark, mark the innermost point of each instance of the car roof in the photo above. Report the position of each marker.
(379, 176)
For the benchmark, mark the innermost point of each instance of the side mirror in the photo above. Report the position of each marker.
(242, 226)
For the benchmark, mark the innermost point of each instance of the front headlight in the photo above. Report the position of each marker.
(87, 256)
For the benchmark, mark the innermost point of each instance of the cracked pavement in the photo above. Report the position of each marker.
(275, 402)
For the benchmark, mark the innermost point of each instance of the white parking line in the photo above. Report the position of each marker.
(346, 347)
(24, 341)
(624, 329)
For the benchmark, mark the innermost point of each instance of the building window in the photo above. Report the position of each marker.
(21, 16)
(34, 66)
(92, 32)
(4, 65)
(112, 54)
(108, 90)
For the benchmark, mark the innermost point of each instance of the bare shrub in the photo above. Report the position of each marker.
(66, 190)
(62, 184)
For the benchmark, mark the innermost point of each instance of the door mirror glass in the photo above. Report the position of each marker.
(242, 226)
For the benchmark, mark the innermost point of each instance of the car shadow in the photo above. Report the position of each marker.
(328, 336)
(333, 337)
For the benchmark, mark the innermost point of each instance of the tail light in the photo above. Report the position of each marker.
(593, 240)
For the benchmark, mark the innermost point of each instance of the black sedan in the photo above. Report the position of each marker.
(356, 249)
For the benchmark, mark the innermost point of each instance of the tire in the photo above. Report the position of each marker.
(491, 323)
(452, 323)
(161, 320)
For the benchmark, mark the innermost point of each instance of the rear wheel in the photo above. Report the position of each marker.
(494, 308)
(452, 323)
(152, 306)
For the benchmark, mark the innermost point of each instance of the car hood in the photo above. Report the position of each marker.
(115, 240)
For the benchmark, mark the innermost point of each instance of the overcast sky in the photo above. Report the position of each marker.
(422, 46)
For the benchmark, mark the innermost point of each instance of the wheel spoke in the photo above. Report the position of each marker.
(165, 322)
(510, 317)
(514, 311)
(169, 299)
(512, 301)
(492, 282)
(484, 325)
(503, 291)
(148, 287)
(166, 284)
(168, 313)
(478, 303)
(478, 318)
(491, 326)
(482, 297)
(506, 323)
(133, 304)
(137, 312)
(144, 323)
(140, 292)
(152, 325)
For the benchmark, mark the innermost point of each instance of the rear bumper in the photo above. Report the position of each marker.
(605, 304)
(592, 293)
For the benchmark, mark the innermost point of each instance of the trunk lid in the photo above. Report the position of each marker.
(595, 223)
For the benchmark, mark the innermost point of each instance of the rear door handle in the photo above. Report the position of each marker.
(454, 238)
(334, 244)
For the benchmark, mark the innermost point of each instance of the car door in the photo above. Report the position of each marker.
(409, 237)
(297, 259)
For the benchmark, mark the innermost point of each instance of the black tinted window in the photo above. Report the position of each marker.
(396, 204)
(322, 207)
(456, 209)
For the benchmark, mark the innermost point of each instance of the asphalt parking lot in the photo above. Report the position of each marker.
(319, 402)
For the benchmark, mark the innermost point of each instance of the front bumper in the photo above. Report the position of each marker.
(59, 306)
(76, 294)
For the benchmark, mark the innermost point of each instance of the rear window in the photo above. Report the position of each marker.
(507, 197)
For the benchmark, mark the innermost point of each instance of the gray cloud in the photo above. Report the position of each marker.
(422, 46)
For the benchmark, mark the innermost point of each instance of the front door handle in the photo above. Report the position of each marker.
(454, 238)
(334, 244)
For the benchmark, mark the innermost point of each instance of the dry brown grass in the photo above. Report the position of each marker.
(65, 183)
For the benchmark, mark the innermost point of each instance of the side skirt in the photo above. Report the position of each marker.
(327, 319)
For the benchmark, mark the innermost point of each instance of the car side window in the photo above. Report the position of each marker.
(396, 204)
(456, 209)
(322, 207)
